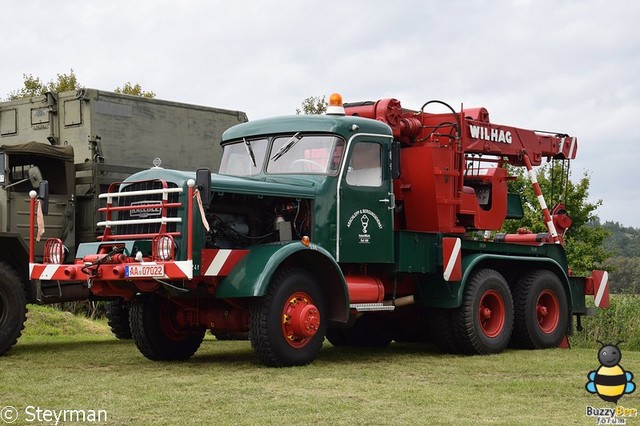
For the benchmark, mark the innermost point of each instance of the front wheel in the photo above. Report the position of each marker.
(156, 333)
(484, 321)
(13, 307)
(117, 313)
(541, 311)
(288, 324)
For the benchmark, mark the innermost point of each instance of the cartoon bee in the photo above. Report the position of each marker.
(610, 381)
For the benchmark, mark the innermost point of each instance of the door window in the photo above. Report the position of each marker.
(365, 167)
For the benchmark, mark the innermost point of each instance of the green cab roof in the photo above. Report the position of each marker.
(337, 124)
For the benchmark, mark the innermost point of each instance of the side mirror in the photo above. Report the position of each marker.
(203, 183)
(35, 176)
(43, 195)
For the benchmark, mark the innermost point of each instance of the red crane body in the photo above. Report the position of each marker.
(440, 187)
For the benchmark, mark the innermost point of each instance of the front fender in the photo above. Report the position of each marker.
(252, 274)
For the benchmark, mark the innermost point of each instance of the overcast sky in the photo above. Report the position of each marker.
(563, 65)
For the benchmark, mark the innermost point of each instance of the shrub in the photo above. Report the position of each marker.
(618, 323)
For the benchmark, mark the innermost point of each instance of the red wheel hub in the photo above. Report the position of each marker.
(491, 313)
(168, 313)
(300, 319)
(548, 311)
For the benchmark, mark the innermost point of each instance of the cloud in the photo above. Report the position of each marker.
(564, 65)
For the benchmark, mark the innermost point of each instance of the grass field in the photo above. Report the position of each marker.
(67, 362)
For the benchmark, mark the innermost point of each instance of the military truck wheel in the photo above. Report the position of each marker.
(288, 324)
(484, 321)
(13, 307)
(117, 312)
(156, 333)
(541, 311)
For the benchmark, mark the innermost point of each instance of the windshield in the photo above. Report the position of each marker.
(243, 159)
(306, 154)
(298, 153)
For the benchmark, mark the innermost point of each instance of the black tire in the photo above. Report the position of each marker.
(484, 322)
(441, 330)
(117, 313)
(541, 311)
(156, 334)
(287, 325)
(231, 336)
(13, 307)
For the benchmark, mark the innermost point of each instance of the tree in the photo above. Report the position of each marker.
(584, 240)
(33, 86)
(624, 267)
(624, 274)
(313, 105)
(135, 90)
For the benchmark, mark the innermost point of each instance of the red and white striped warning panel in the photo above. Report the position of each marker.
(452, 259)
(601, 288)
(219, 263)
(177, 270)
(47, 272)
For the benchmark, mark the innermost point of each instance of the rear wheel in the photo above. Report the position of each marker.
(156, 333)
(13, 307)
(442, 330)
(541, 311)
(484, 321)
(117, 312)
(288, 324)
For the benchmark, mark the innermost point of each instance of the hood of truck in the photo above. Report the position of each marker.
(303, 186)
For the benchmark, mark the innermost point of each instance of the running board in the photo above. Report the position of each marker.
(371, 307)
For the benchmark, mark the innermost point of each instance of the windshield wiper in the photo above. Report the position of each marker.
(247, 145)
(287, 146)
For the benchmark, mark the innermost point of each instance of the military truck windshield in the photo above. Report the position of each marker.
(290, 154)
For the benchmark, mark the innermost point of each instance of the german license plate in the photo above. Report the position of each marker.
(132, 271)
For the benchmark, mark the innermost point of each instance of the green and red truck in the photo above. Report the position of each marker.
(368, 224)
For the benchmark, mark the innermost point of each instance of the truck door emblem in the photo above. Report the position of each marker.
(364, 219)
(366, 216)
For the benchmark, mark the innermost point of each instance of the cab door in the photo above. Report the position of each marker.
(366, 203)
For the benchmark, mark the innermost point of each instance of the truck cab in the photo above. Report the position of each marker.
(338, 172)
(22, 168)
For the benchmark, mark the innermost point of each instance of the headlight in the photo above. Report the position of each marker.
(54, 251)
(163, 247)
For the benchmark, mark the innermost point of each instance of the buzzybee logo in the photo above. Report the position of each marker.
(610, 381)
